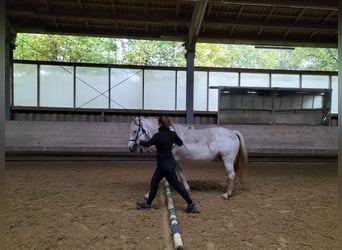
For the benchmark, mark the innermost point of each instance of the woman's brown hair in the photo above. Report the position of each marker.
(164, 121)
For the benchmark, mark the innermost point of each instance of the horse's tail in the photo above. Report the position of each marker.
(241, 161)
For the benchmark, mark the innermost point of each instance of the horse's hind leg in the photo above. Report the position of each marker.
(181, 176)
(229, 165)
(146, 195)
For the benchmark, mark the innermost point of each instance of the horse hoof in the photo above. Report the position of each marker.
(226, 196)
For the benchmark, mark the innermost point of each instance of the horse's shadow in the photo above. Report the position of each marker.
(203, 185)
(214, 186)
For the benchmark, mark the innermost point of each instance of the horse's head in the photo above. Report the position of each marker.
(138, 131)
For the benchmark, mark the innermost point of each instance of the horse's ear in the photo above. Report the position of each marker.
(136, 120)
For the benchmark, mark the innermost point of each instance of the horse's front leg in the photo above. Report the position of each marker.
(181, 176)
(229, 165)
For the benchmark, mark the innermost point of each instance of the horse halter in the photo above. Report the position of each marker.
(138, 134)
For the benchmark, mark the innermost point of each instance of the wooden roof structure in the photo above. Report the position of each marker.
(295, 23)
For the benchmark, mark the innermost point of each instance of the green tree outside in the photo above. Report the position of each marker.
(80, 49)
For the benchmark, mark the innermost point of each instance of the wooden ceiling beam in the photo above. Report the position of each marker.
(274, 25)
(272, 41)
(196, 23)
(113, 6)
(299, 16)
(286, 33)
(209, 9)
(177, 9)
(55, 22)
(240, 12)
(185, 20)
(86, 23)
(80, 5)
(327, 18)
(308, 4)
(146, 8)
(193, 27)
(46, 4)
(85, 16)
(314, 33)
(270, 13)
(259, 32)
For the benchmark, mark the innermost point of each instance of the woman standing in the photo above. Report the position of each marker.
(166, 164)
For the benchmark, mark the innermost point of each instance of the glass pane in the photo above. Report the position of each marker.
(24, 85)
(181, 90)
(254, 80)
(160, 86)
(126, 89)
(56, 86)
(285, 81)
(213, 99)
(200, 91)
(307, 102)
(217, 79)
(223, 79)
(334, 95)
(315, 82)
(318, 102)
(91, 87)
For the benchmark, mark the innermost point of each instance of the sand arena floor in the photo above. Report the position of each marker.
(91, 205)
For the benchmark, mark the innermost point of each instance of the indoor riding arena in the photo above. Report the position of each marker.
(71, 181)
(72, 197)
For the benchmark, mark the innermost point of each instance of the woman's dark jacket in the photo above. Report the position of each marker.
(163, 140)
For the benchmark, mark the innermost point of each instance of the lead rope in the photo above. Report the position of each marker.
(147, 137)
(174, 128)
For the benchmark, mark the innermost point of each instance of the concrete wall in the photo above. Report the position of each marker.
(66, 136)
(106, 137)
